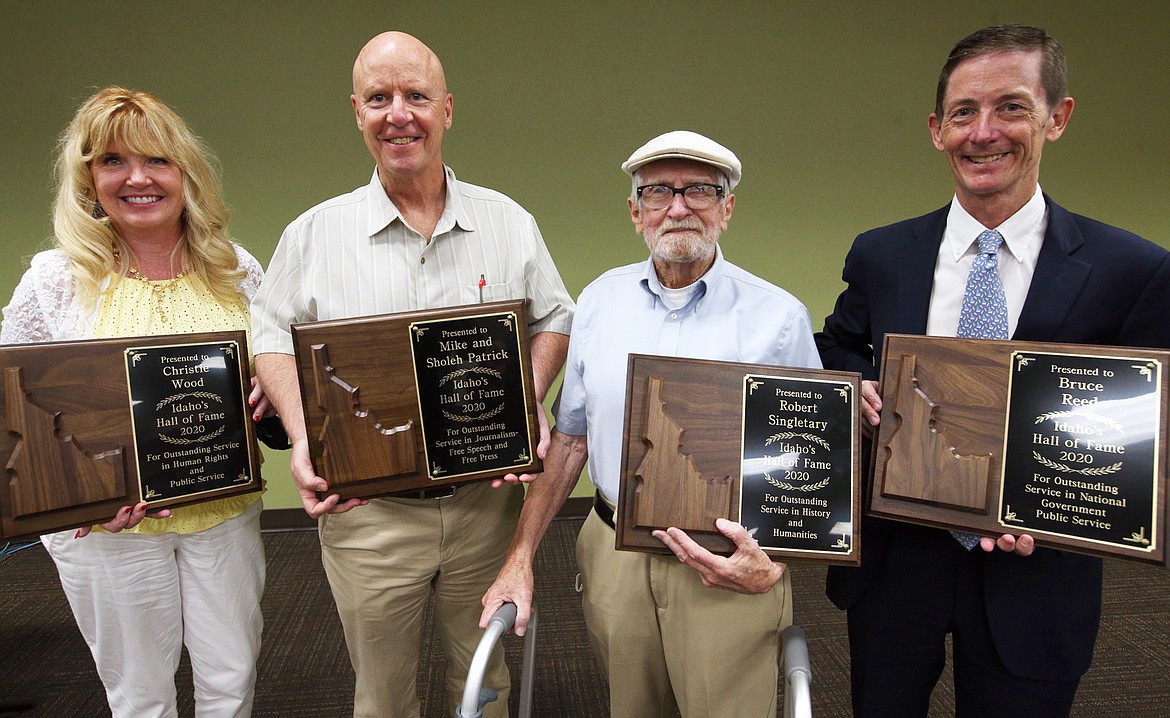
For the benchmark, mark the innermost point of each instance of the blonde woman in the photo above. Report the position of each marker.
(140, 229)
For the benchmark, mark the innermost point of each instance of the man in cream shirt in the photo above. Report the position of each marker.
(414, 238)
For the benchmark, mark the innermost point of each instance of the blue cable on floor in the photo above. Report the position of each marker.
(10, 548)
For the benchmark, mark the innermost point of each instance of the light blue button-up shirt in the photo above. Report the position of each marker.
(731, 316)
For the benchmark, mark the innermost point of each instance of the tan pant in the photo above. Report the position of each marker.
(384, 559)
(661, 637)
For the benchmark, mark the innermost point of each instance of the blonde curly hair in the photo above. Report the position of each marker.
(142, 124)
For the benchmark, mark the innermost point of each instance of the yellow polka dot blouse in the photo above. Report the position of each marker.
(133, 307)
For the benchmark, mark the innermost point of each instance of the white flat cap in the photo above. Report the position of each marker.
(687, 145)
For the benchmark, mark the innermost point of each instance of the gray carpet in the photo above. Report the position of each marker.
(304, 671)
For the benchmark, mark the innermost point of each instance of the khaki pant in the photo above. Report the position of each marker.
(663, 638)
(384, 559)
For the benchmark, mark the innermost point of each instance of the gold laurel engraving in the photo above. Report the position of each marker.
(195, 440)
(486, 415)
(790, 487)
(1095, 471)
(793, 435)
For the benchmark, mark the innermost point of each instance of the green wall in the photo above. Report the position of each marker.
(825, 103)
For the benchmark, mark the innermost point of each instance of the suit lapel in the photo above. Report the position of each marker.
(1057, 281)
(916, 271)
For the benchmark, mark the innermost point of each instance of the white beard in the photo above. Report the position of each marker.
(682, 249)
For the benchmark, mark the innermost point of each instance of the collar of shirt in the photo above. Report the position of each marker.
(1023, 236)
(1022, 233)
(381, 212)
(654, 289)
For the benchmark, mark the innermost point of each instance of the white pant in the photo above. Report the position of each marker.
(137, 599)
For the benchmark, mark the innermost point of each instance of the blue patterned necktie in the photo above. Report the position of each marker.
(984, 314)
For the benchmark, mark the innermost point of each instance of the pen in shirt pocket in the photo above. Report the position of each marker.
(482, 284)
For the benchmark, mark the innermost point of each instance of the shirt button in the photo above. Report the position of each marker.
(422, 260)
(674, 315)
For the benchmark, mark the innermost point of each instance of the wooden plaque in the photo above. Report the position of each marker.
(410, 401)
(773, 448)
(96, 425)
(1060, 441)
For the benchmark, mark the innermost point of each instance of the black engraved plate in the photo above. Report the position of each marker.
(470, 382)
(1081, 448)
(797, 487)
(189, 416)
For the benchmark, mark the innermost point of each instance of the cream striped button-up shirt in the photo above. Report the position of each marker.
(354, 256)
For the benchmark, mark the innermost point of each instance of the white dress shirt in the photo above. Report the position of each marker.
(1023, 234)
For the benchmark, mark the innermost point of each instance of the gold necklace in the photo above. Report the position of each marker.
(158, 287)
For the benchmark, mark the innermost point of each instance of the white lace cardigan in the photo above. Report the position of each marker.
(45, 307)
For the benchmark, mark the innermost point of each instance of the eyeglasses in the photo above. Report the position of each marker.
(696, 196)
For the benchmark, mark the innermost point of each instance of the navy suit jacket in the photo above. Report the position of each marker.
(1093, 284)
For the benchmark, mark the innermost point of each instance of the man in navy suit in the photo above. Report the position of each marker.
(1023, 619)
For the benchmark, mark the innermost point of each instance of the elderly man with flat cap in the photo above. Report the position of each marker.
(698, 631)
(414, 237)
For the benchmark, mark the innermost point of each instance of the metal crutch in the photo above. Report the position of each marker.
(475, 696)
(797, 673)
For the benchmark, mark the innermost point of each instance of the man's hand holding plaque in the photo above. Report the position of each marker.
(541, 451)
(316, 497)
(748, 570)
